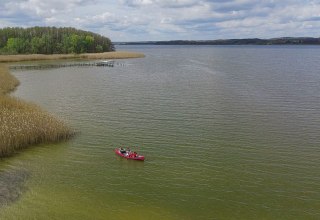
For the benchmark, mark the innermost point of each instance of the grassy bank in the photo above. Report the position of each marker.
(23, 124)
(34, 57)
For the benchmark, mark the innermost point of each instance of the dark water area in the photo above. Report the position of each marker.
(229, 132)
(12, 185)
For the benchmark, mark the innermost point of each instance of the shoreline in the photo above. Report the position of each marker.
(24, 124)
(91, 56)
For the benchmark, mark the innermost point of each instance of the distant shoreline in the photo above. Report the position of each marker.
(247, 41)
(105, 55)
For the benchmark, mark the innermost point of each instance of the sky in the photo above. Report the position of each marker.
(151, 20)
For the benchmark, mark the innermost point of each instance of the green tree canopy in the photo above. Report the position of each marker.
(52, 40)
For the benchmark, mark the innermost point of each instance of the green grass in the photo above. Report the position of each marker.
(23, 124)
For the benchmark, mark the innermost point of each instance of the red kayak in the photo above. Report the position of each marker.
(128, 154)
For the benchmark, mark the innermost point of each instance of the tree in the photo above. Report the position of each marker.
(75, 43)
(37, 45)
(49, 40)
(17, 45)
(89, 42)
(99, 48)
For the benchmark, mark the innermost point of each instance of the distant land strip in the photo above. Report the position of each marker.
(106, 55)
(247, 41)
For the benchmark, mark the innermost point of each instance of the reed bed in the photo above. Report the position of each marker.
(113, 55)
(35, 57)
(23, 124)
(7, 81)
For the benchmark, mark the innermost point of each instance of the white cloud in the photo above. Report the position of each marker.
(170, 19)
(161, 3)
(43, 8)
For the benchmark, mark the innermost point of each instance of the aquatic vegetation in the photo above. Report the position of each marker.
(106, 55)
(23, 124)
(112, 55)
(12, 184)
(7, 81)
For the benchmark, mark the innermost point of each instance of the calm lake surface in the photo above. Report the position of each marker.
(229, 132)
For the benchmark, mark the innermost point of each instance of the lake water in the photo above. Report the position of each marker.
(228, 132)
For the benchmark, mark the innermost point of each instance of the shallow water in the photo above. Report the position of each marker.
(229, 132)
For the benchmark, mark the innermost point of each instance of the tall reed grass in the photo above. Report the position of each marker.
(7, 81)
(106, 55)
(23, 124)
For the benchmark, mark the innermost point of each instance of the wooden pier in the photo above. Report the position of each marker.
(60, 65)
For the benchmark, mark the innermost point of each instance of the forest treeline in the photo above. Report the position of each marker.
(248, 41)
(51, 40)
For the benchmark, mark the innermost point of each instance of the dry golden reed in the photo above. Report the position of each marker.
(106, 55)
(7, 81)
(23, 124)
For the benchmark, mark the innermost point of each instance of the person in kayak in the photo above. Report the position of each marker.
(123, 151)
(127, 152)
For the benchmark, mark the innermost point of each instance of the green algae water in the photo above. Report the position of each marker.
(228, 132)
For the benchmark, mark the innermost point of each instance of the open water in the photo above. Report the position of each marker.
(228, 132)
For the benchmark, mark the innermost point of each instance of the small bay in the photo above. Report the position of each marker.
(228, 132)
